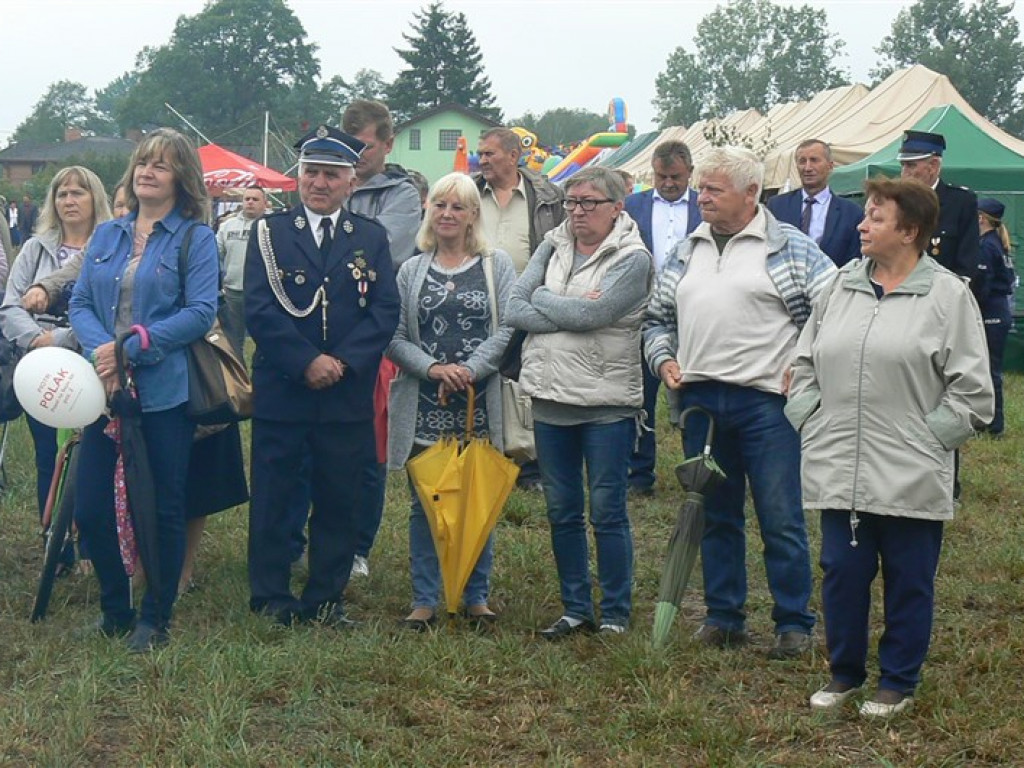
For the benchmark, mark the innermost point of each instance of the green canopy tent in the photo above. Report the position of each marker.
(974, 158)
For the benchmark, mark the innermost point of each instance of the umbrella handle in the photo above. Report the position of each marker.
(470, 411)
(124, 374)
(711, 425)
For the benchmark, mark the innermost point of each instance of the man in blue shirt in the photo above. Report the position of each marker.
(665, 214)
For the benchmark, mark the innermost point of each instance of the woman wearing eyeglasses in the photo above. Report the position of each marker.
(581, 299)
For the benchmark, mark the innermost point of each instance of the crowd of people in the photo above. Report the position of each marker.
(843, 356)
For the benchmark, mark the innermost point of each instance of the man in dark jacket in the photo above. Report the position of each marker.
(954, 244)
(831, 221)
(321, 304)
(518, 206)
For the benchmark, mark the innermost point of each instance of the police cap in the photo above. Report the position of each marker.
(329, 146)
(917, 145)
(992, 207)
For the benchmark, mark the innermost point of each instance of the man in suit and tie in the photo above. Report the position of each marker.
(665, 215)
(831, 221)
(321, 304)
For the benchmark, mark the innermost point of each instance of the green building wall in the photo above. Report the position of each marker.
(430, 160)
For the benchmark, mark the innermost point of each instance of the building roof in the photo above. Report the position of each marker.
(448, 107)
(55, 152)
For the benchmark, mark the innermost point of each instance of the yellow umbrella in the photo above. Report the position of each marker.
(462, 489)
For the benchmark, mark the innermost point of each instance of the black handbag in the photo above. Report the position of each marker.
(10, 408)
(219, 387)
(510, 364)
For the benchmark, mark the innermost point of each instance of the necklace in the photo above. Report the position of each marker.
(449, 272)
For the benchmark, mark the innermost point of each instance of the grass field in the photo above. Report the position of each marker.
(233, 690)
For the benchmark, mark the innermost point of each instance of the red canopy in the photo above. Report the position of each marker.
(226, 170)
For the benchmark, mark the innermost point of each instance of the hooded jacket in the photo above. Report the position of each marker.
(392, 199)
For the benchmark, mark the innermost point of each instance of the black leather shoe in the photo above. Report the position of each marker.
(419, 625)
(480, 621)
(563, 628)
(145, 638)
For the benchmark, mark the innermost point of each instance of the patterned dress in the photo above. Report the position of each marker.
(454, 314)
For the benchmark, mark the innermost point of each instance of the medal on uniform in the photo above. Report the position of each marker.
(347, 226)
(936, 241)
(300, 223)
(300, 279)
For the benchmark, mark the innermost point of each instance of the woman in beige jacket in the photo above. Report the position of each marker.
(891, 375)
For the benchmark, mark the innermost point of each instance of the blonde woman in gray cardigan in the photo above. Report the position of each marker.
(447, 339)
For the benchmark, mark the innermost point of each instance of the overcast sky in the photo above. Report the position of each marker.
(539, 54)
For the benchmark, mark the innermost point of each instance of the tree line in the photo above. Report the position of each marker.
(224, 67)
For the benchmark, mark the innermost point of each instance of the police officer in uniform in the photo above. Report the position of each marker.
(321, 305)
(996, 281)
(954, 244)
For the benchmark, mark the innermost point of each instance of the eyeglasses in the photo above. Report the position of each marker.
(586, 203)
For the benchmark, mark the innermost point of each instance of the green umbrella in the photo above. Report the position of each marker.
(698, 476)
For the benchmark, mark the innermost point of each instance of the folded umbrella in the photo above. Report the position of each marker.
(134, 490)
(698, 476)
(463, 490)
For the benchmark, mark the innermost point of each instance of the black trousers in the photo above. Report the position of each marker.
(341, 453)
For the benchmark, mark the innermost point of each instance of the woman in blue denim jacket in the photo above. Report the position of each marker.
(130, 281)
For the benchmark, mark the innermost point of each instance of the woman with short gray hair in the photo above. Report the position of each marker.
(582, 298)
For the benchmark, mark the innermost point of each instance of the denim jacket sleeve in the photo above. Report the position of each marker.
(196, 312)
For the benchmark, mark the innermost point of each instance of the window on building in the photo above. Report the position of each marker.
(449, 138)
(414, 138)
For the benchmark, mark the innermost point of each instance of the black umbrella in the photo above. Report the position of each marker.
(134, 491)
(698, 476)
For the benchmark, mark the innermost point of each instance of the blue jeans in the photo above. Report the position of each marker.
(373, 509)
(44, 439)
(909, 551)
(168, 437)
(753, 440)
(424, 568)
(562, 452)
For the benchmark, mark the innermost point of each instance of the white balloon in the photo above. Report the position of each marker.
(59, 388)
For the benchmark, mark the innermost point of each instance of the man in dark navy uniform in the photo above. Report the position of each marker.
(321, 305)
(954, 244)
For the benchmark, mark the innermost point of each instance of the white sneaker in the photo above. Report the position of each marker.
(360, 567)
(887, 707)
(831, 696)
